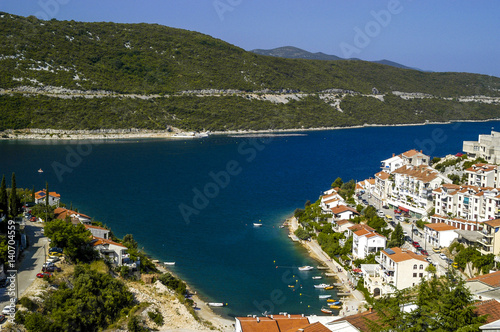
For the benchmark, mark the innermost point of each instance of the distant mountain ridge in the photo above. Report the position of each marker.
(291, 52)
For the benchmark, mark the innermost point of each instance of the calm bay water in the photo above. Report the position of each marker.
(138, 186)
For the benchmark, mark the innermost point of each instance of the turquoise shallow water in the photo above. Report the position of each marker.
(138, 186)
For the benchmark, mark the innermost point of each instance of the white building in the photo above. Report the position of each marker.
(482, 175)
(330, 199)
(115, 252)
(487, 147)
(397, 267)
(54, 198)
(344, 212)
(366, 242)
(391, 164)
(415, 158)
(440, 235)
(98, 231)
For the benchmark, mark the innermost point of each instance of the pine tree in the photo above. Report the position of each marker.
(13, 197)
(3, 197)
(397, 237)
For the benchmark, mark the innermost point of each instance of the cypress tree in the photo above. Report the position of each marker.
(33, 194)
(13, 197)
(46, 193)
(3, 197)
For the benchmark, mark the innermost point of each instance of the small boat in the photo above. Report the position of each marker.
(332, 300)
(169, 263)
(328, 274)
(291, 286)
(281, 226)
(336, 306)
(344, 294)
(306, 268)
(326, 311)
(40, 171)
(324, 296)
(317, 277)
(216, 304)
(329, 288)
(322, 267)
(256, 224)
(321, 286)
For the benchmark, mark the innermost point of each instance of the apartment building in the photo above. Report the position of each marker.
(487, 147)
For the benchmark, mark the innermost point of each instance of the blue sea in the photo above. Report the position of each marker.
(195, 201)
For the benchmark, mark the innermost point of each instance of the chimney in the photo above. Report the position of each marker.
(258, 320)
(272, 317)
(393, 154)
(288, 315)
(302, 315)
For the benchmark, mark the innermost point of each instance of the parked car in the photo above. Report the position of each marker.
(52, 259)
(365, 202)
(424, 252)
(33, 219)
(406, 215)
(51, 268)
(415, 243)
(455, 265)
(428, 259)
(436, 250)
(47, 264)
(55, 249)
(398, 217)
(381, 214)
(9, 308)
(2, 319)
(44, 274)
(443, 257)
(385, 206)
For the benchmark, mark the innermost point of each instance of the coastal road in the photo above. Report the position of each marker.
(31, 263)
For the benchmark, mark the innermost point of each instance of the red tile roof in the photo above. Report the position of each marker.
(490, 308)
(95, 227)
(382, 175)
(62, 213)
(361, 321)
(440, 227)
(100, 241)
(491, 279)
(41, 194)
(403, 255)
(493, 223)
(343, 208)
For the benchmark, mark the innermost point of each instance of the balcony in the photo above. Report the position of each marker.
(486, 242)
(486, 234)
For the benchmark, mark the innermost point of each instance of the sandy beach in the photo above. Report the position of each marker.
(354, 303)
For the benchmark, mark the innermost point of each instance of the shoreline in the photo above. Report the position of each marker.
(119, 134)
(355, 300)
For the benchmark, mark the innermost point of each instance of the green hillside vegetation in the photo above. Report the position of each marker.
(152, 59)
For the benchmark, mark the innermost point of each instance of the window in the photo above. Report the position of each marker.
(414, 275)
(420, 275)
(421, 267)
(415, 266)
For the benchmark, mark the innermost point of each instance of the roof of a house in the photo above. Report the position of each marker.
(95, 227)
(41, 194)
(342, 222)
(440, 227)
(490, 308)
(343, 208)
(382, 175)
(401, 255)
(360, 321)
(278, 323)
(62, 213)
(100, 241)
(423, 173)
(493, 223)
(491, 279)
(357, 227)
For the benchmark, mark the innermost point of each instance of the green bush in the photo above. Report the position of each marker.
(156, 317)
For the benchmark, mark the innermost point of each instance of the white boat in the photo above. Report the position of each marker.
(40, 170)
(169, 263)
(216, 304)
(320, 286)
(306, 268)
(324, 296)
(201, 135)
(317, 277)
(256, 224)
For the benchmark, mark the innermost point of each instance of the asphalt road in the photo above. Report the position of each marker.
(31, 263)
(441, 265)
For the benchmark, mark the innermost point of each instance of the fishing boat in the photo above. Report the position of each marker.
(324, 296)
(326, 311)
(335, 306)
(40, 170)
(329, 288)
(321, 286)
(317, 277)
(306, 268)
(169, 263)
(216, 304)
(257, 224)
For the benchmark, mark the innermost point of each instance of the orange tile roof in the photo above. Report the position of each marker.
(328, 196)
(278, 323)
(493, 223)
(316, 327)
(491, 279)
(95, 227)
(360, 226)
(410, 153)
(331, 200)
(41, 194)
(62, 213)
(400, 255)
(374, 234)
(490, 308)
(382, 175)
(361, 232)
(342, 222)
(440, 227)
(423, 172)
(358, 186)
(100, 241)
(343, 208)
(371, 181)
(292, 323)
(263, 324)
(361, 321)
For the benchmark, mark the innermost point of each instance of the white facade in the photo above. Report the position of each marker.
(366, 242)
(397, 267)
(482, 175)
(440, 235)
(391, 164)
(115, 252)
(487, 147)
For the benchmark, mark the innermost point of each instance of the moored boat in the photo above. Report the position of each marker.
(321, 286)
(326, 311)
(317, 277)
(324, 296)
(216, 304)
(329, 288)
(331, 300)
(40, 170)
(306, 268)
(322, 267)
(256, 224)
(335, 306)
(169, 263)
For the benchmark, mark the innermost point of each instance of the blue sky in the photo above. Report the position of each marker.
(459, 35)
